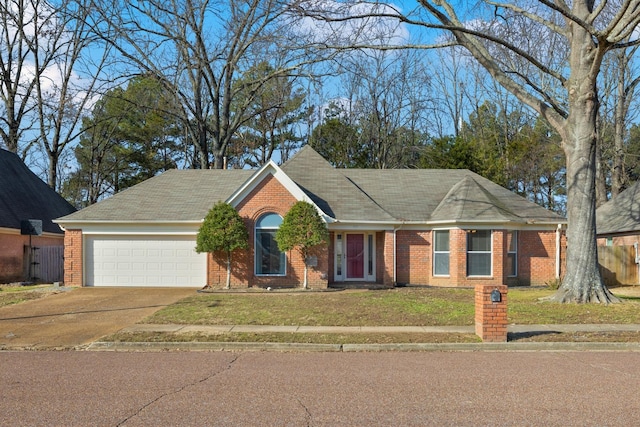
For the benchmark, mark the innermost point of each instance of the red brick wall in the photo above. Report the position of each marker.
(73, 258)
(536, 258)
(268, 196)
(413, 257)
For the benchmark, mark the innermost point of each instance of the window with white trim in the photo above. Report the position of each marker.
(441, 252)
(512, 253)
(479, 253)
(268, 258)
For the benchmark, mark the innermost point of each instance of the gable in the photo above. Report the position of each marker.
(268, 195)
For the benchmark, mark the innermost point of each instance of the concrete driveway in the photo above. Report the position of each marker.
(80, 316)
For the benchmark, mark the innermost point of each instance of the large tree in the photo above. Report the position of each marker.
(200, 49)
(130, 136)
(274, 111)
(515, 42)
(50, 64)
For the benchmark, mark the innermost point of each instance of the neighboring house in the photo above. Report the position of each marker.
(418, 226)
(618, 220)
(618, 231)
(23, 197)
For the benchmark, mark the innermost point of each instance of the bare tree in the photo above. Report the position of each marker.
(66, 87)
(563, 93)
(24, 22)
(619, 80)
(389, 100)
(199, 49)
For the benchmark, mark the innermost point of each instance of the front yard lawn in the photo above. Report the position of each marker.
(411, 306)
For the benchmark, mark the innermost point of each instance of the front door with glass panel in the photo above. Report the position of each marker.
(354, 257)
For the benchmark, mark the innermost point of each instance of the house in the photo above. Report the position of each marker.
(435, 227)
(618, 220)
(24, 197)
(618, 232)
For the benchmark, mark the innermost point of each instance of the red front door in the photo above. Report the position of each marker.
(355, 256)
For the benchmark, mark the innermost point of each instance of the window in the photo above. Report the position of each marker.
(479, 253)
(441, 253)
(512, 253)
(269, 259)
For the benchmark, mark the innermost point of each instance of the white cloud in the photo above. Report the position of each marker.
(353, 24)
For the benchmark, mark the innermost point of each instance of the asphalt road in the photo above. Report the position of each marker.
(81, 388)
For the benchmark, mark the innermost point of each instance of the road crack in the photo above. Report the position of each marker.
(306, 410)
(179, 390)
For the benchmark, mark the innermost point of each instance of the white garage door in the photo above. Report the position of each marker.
(144, 261)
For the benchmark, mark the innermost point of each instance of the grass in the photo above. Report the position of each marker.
(391, 307)
(10, 295)
(411, 306)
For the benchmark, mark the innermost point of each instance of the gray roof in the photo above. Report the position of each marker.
(621, 214)
(25, 196)
(176, 195)
(409, 194)
(388, 195)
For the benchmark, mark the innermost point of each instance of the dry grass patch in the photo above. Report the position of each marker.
(294, 338)
(411, 306)
(10, 295)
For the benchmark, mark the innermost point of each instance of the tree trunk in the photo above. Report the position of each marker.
(601, 179)
(228, 286)
(304, 283)
(582, 282)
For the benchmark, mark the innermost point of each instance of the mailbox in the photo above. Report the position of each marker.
(496, 296)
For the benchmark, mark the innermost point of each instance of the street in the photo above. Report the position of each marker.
(81, 388)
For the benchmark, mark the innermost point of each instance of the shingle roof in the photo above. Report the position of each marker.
(621, 214)
(25, 196)
(410, 194)
(176, 195)
(389, 195)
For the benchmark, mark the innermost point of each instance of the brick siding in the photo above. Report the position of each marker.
(491, 317)
(269, 196)
(73, 258)
(536, 258)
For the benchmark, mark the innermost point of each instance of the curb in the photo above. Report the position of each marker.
(352, 348)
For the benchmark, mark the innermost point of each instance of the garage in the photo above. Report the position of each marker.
(169, 261)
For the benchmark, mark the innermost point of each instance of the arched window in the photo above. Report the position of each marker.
(269, 260)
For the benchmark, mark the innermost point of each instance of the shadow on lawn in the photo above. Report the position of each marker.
(515, 336)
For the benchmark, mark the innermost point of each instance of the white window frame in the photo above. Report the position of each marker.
(256, 230)
(340, 246)
(514, 253)
(490, 252)
(436, 252)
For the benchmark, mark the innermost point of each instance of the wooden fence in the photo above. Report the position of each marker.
(618, 265)
(45, 264)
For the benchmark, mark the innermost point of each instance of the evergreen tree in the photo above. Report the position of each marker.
(223, 230)
(302, 229)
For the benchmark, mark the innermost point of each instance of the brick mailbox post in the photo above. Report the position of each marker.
(491, 312)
